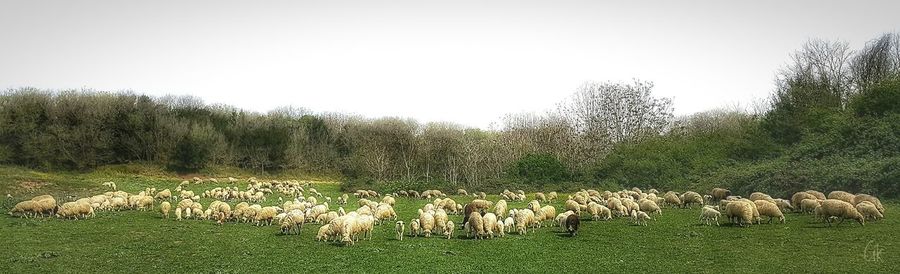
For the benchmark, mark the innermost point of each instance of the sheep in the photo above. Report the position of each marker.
(783, 204)
(178, 211)
(572, 224)
(649, 206)
(292, 222)
(561, 218)
(546, 212)
(165, 194)
(540, 197)
(323, 233)
(462, 192)
(426, 221)
(489, 223)
(383, 212)
(448, 232)
(47, 204)
(551, 196)
(500, 208)
(414, 227)
(265, 216)
(840, 209)
(164, 207)
(869, 210)
(573, 206)
(718, 194)
(755, 196)
(640, 217)
(616, 206)
(798, 198)
(818, 195)
(523, 219)
(481, 204)
(769, 209)
(739, 212)
(808, 205)
(709, 214)
(509, 223)
(602, 212)
(399, 227)
(672, 199)
(475, 226)
(842, 195)
(389, 200)
(468, 210)
(24, 208)
(440, 221)
(690, 198)
(859, 198)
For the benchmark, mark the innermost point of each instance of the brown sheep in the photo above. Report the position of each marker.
(717, 193)
(572, 224)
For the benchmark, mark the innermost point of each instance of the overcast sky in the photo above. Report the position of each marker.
(468, 62)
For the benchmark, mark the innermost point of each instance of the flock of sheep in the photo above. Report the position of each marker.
(481, 218)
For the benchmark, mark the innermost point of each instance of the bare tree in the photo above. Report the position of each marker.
(617, 111)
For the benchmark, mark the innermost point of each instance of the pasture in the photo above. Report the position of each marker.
(141, 241)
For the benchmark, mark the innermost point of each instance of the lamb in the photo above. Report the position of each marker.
(649, 206)
(449, 232)
(869, 210)
(709, 214)
(414, 228)
(551, 196)
(739, 212)
(798, 198)
(640, 217)
(872, 199)
(842, 195)
(572, 224)
(783, 204)
(508, 223)
(489, 223)
(440, 221)
(475, 226)
(769, 209)
(540, 197)
(164, 207)
(399, 227)
(178, 214)
(840, 209)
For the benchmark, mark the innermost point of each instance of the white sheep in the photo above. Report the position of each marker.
(399, 227)
(708, 214)
(449, 231)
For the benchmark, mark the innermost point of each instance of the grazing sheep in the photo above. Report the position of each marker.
(739, 212)
(649, 206)
(690, 198)
(616, 206)
(640, 217)
(481, 204)
(462, 192)
(540, 197)
(561, 219)
(551, 196)
(489, 223)
(859, 198)
(399, 227)
(769, 209)
(440, 221)
(323, 233)
(164, 207)
(672, 199)
(509, 223)
(709, 214)
(869, 210)
(808, 205)
(500, 208)
(783, 204)
(755, 196)
(178, 214)
(468, 210)
(426, 220)
(23, 208)
(475, 226)
(840, 209)
(573, 206)
(572, 224)
(798, 198)
(523, 219)
(719, 194)
(819, 195)
(842, 195)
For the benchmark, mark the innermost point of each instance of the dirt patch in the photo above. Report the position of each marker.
(32, 186)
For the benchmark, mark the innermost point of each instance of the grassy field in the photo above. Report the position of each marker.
(134, 241)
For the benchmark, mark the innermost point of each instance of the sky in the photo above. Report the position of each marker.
(468, 62)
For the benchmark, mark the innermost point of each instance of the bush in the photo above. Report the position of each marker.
(541, 168)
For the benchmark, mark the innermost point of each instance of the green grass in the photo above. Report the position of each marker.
(134, 241)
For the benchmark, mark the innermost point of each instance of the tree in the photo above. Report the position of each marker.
(619, 112)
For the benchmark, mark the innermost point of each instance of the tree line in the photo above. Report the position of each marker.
(605, 132)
